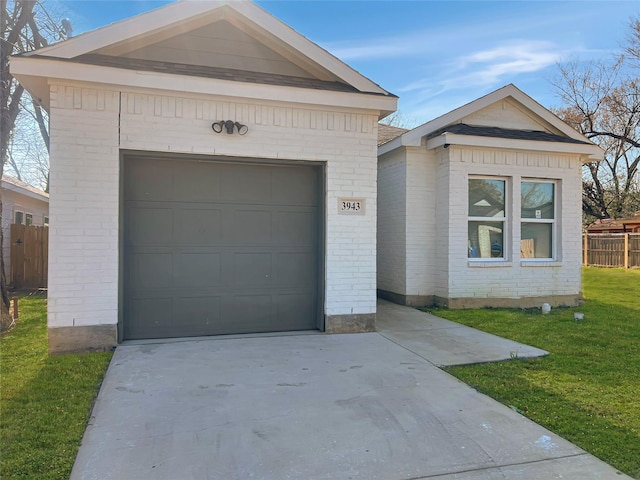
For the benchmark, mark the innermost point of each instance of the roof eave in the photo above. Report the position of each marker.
(32, 71)
(25, 191)
(590, 152)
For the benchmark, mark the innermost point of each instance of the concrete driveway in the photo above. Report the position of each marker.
(360, 406)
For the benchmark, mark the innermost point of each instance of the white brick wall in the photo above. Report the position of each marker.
(422, 224)
(88, 131)
(513, 279)
(392, 213)
(83, 207)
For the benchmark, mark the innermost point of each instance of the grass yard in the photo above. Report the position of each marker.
(588, 389)
(44, 401)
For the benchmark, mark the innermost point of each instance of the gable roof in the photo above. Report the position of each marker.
(443, 130)
(18, 186)
(270, 49)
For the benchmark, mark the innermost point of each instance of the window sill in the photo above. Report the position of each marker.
(489, 264)
(540, 263)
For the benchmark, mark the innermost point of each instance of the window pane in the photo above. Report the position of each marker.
(537, 240)
(486, 197)
(28, 219)
(486, 239)
(19, 218)
(537, 200)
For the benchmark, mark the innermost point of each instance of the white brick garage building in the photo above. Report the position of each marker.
(162, 227)
(482, 207)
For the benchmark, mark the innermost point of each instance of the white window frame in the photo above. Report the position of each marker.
(505, 219)
(552, 221)
(46, 221)
(15, 214)
(30, 215)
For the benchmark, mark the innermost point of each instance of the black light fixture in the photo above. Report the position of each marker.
(229, 125)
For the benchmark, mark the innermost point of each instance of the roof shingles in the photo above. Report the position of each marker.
(497, 132)
(212, 72)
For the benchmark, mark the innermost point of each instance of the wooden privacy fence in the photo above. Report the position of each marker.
(29, 256)
(611, 249)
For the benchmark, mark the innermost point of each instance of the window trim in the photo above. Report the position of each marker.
(30, 216)
(15, 214)
(545, 221)
(505, 219)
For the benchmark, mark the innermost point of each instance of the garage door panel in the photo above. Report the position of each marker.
(296, 269)
(294, 310)
(152, 315)
(252, 269)
(197, 270)
(246, 184)
(197, 226)
(200, 185)
(247, 226)
(219, 249)
(295, 186)
(148, 179)
(295, 227)
(151, 270)
(249, 312)
(198, 315)
(150, 226)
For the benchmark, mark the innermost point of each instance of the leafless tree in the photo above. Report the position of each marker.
(25, 25)
(400, 120)
(602, 101)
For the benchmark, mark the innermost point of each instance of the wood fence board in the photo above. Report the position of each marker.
(612, 250)
(29, 256)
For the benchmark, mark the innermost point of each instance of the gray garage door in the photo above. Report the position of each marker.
(215, 248)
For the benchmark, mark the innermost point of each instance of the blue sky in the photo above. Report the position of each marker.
(434, 55)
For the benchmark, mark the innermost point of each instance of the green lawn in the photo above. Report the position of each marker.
(588, 389)
(44, 401)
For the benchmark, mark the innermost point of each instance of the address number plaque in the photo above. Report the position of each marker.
(351, 206)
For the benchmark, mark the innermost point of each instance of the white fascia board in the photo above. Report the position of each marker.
(111, 77)
(594, 152)
(24, 191)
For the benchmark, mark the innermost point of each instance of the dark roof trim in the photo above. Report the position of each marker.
(209, 72)
(497, 132)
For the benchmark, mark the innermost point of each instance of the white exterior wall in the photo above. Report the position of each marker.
(84, 189)
(89, 128)
(421, 222)
(392, 214)
(17, 202)
(513, 278)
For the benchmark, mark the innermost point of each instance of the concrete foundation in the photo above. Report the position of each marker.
(356, 323)
(82, 339)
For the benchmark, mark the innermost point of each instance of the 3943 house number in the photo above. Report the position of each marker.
(351, 206)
